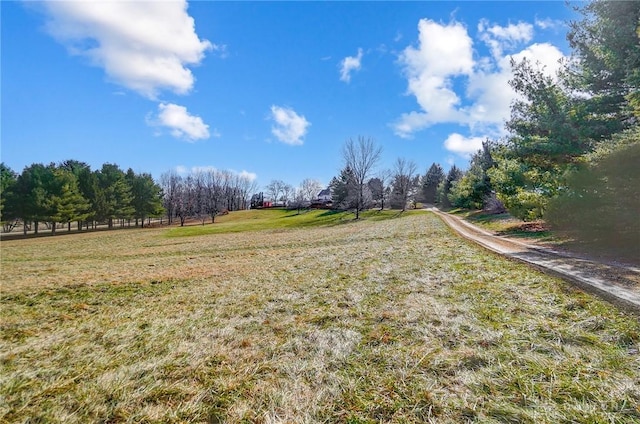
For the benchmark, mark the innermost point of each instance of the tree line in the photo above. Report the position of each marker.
(359, 187)
(287, 195)
(204, 194)
(71, 192)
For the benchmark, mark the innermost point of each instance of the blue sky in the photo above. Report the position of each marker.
(267, 89)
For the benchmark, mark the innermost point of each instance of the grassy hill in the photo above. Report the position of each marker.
(273, 219)
(377, 320)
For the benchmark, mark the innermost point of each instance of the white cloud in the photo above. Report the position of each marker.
(180, 122)
(451, 87)
(443, 52)
(251, 176)
(350, 64)
(289, 127)
(500, 38)
(520, 32)
(463, 146)
(548, 55)
(549, 23)
(145, 46)
(490, 91)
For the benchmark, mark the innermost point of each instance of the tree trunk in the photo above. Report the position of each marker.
(35, 227)
(69, 226)
(24, 227)
(110, 223)
(53, 228)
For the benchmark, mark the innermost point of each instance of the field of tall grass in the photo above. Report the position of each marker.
(288, 318)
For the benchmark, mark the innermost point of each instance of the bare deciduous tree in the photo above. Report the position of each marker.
(246, 186)
(275, 189)
(288, 193)
(309, 189)
(212, 193)
(205, 194)
(170, 182)
(361, 157)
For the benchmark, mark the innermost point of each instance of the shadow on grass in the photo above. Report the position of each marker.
(605, 251)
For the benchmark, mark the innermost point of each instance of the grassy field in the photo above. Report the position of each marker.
(388, 319)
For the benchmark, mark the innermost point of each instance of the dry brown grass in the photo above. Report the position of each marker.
(391, 321)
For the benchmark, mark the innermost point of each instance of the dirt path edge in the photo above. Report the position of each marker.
(546, 260)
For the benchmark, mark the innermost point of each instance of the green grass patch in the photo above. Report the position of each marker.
(274, 219)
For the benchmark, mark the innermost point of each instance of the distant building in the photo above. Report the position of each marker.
(323, 200)
(324, 196)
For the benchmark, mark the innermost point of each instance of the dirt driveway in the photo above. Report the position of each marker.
(618, 284)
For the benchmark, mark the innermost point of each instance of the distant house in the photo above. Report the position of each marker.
(324, 196)
(323, 200)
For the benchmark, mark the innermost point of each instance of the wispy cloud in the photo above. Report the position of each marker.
(549, 23)
(142, 45)
(181, 124)
(289, 127)
(251, 176)
(350, 64)
(499, 38)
